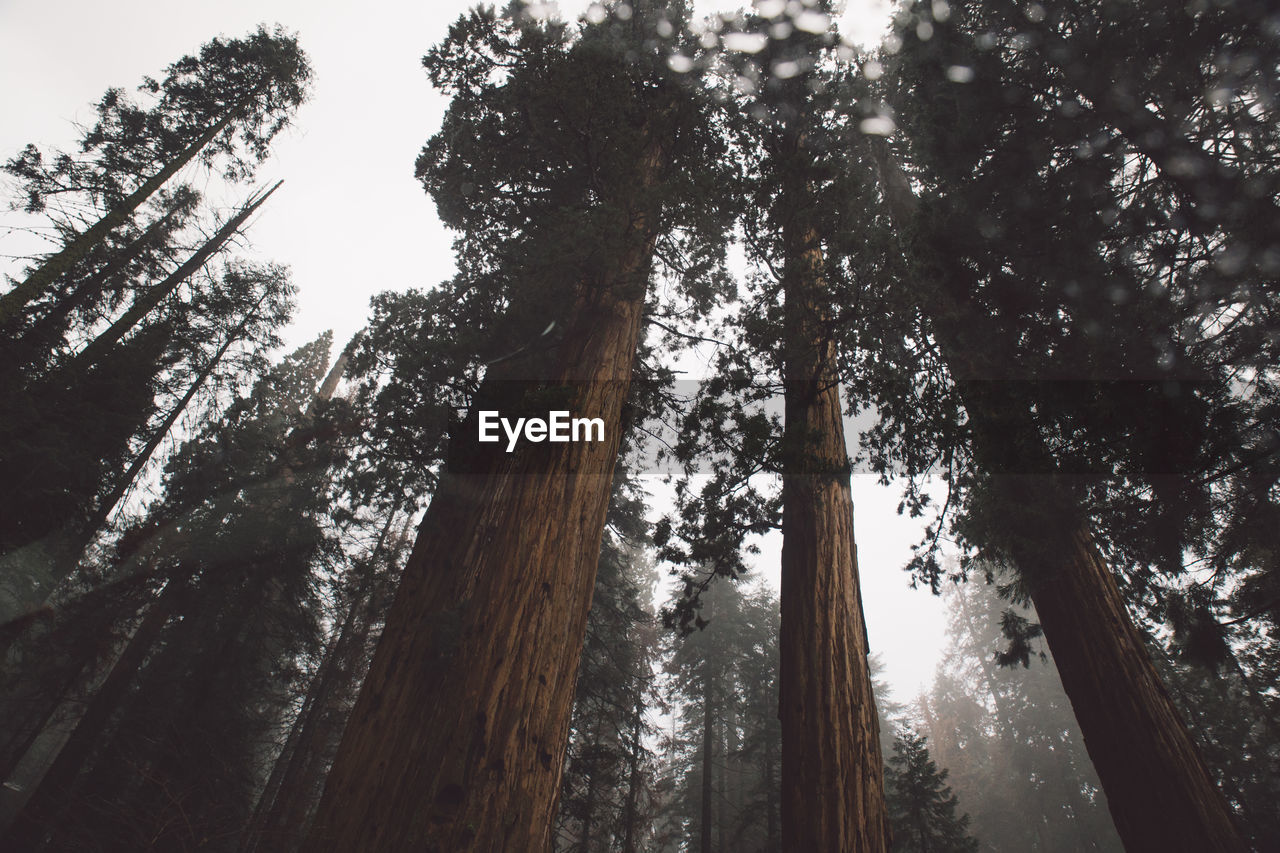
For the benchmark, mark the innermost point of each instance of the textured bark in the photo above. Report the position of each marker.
(1158, 788)
(832, 772)
(458, 737)
(80, 246)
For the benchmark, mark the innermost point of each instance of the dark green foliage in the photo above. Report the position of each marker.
(728, 669)
(236, 542)
(1086, 284)
(261, 79)
(607, 801)
(921, 806)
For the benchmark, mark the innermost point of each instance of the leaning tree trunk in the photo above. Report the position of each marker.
(80, 246)
(458, 736)
(1159, 790)
(148, 301)
(41, 811)
(832, 774)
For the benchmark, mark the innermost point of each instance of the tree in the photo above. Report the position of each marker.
(607, 784)
(504, 563)
(167, 749)
(921, 805)
(832, 784)
(224, 106)
(1001, 325)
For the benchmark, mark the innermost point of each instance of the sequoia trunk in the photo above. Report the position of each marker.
(832, 774)
(1158, 788)
(457, 739)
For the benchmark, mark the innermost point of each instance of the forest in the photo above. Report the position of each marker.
(268, 591)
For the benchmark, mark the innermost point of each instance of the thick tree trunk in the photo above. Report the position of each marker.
(457, 740)
(832, 775)
(61, 263)
(1159, 790)
(156, 294)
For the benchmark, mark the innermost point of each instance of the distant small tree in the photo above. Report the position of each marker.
(922, 808)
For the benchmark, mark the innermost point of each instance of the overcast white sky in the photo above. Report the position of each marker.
(351, 220)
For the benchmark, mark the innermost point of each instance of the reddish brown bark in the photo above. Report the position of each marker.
(457, 739)
(832, 772)
(1158, 788)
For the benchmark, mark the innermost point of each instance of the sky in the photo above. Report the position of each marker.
(351, 220)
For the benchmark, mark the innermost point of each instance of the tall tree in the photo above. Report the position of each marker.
(174, 729)
(1003, 328)
(607, 784)
(832, 771)
(562, 215)
(223, 105)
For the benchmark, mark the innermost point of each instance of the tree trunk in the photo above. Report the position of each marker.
(1159, 790)
(41, 811)
(61, 263)
(51, 327)
(770, 800)
(832, 775)
(283, 812)
(631, 814)
(156, 294)
(708, 743)
(66, 560)
(458, 737)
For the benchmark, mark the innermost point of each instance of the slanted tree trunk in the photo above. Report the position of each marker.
(156, 294)
(55, 267)
(832, 772)
(50, 327)
(458, 736)
(283, 810)
(43, 807)
(67, 558)
(1158, 788)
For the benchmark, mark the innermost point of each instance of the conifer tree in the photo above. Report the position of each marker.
(607, 785)
(167, 749)
(921, 806)
(504, 563)
(1003, 311)
(222, 106)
